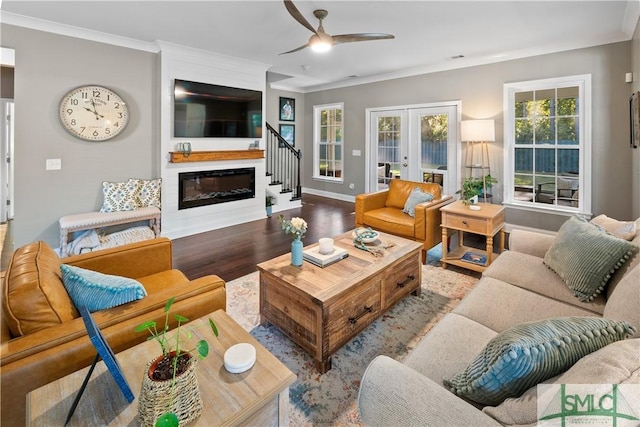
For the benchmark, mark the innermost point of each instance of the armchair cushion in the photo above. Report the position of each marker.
(399, 191)
(416, 196)
(34, 296)
(97, 291)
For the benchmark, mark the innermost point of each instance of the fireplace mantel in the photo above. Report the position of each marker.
(219, 155)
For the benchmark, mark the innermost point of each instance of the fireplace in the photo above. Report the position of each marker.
(215, 186)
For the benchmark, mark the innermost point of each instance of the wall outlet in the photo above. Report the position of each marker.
(53, 164)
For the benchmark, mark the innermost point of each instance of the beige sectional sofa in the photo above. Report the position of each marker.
(518, 287)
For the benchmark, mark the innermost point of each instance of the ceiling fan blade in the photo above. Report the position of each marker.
(296, 49)
(362, 37)
(293, 11)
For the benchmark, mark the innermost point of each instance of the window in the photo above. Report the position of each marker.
(548, 144)
(328, 142)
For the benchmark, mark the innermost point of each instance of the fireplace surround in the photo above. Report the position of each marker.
(211, 187)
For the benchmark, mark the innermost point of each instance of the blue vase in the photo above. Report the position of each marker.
(296, 252)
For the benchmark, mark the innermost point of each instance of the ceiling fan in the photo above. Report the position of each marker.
(320, 41)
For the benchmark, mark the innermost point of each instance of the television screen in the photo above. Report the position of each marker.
(204, 110)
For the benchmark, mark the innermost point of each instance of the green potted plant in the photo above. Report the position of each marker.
(471, 187)
(170, 374)
(270, 201)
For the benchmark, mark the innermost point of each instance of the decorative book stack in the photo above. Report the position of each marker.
(314, 256)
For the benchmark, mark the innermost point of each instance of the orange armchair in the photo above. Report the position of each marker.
(383, 211)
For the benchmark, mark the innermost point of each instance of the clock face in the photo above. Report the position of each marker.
(93, 113)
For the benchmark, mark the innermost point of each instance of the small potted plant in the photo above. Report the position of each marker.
(471, 188)
(170, 394)
(270, 201)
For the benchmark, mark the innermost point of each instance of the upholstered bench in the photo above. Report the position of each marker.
(92, 220)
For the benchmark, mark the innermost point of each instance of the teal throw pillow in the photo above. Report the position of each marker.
(532, 352)
(585, 257)
(416, 196)
(98, 291)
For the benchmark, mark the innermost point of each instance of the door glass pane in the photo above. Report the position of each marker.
(433, 147)
(389, 137)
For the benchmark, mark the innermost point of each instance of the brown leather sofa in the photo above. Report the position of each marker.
(382, 211)
(43, 335)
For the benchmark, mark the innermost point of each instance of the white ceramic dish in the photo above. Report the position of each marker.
(239, 358)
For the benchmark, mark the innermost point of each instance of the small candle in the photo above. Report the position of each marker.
(326, 245)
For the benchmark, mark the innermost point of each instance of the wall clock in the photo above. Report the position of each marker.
(93, 113)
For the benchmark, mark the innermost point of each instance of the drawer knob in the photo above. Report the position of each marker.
(465, 222)
(366, 311)
(407, 280)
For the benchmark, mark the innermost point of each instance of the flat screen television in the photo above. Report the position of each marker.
(203, 110)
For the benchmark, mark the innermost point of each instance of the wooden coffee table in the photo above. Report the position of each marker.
(321, 309)
(259, 396)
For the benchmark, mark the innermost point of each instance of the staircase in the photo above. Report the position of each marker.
(282, 171)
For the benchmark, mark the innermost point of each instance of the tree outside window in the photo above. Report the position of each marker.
(546, 144)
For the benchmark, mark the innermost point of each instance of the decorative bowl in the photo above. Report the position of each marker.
(367, 235)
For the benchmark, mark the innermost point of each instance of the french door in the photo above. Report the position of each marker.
(417, 143)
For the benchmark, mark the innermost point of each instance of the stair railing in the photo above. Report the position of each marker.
(283, 163)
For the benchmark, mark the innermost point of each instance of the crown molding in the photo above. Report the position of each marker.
(77, 32)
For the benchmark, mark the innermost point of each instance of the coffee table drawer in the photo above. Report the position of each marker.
(352, 313)
(400, 280)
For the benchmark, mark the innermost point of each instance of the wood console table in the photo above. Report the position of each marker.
(487, 221)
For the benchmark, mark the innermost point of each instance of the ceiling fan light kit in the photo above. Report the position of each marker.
(320, 41)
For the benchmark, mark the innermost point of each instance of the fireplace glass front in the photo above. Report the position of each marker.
(215, 186)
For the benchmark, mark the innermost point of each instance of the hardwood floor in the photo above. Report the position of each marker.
(235, 251)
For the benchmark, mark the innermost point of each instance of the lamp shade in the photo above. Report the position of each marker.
(478, 130)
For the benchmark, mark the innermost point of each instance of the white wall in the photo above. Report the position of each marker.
(205, 67)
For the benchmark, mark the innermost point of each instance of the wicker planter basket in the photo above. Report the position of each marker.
(155, 396)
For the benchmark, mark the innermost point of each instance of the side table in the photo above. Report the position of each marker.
(259, 396)
(487, 221)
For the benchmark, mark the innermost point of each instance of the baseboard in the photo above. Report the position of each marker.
(329, 194)
(508, 228)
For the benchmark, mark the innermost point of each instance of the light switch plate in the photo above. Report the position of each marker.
(356, 153)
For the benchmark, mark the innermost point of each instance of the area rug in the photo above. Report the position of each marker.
(330, 399)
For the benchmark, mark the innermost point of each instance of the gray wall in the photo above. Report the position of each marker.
(48, 66)
(273, 113)
(480, 89)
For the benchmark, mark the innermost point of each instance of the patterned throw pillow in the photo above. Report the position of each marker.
(532, 352)
(149, 194)
(120, 196)
(417, 196)
(585, 257)
(98, 291)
